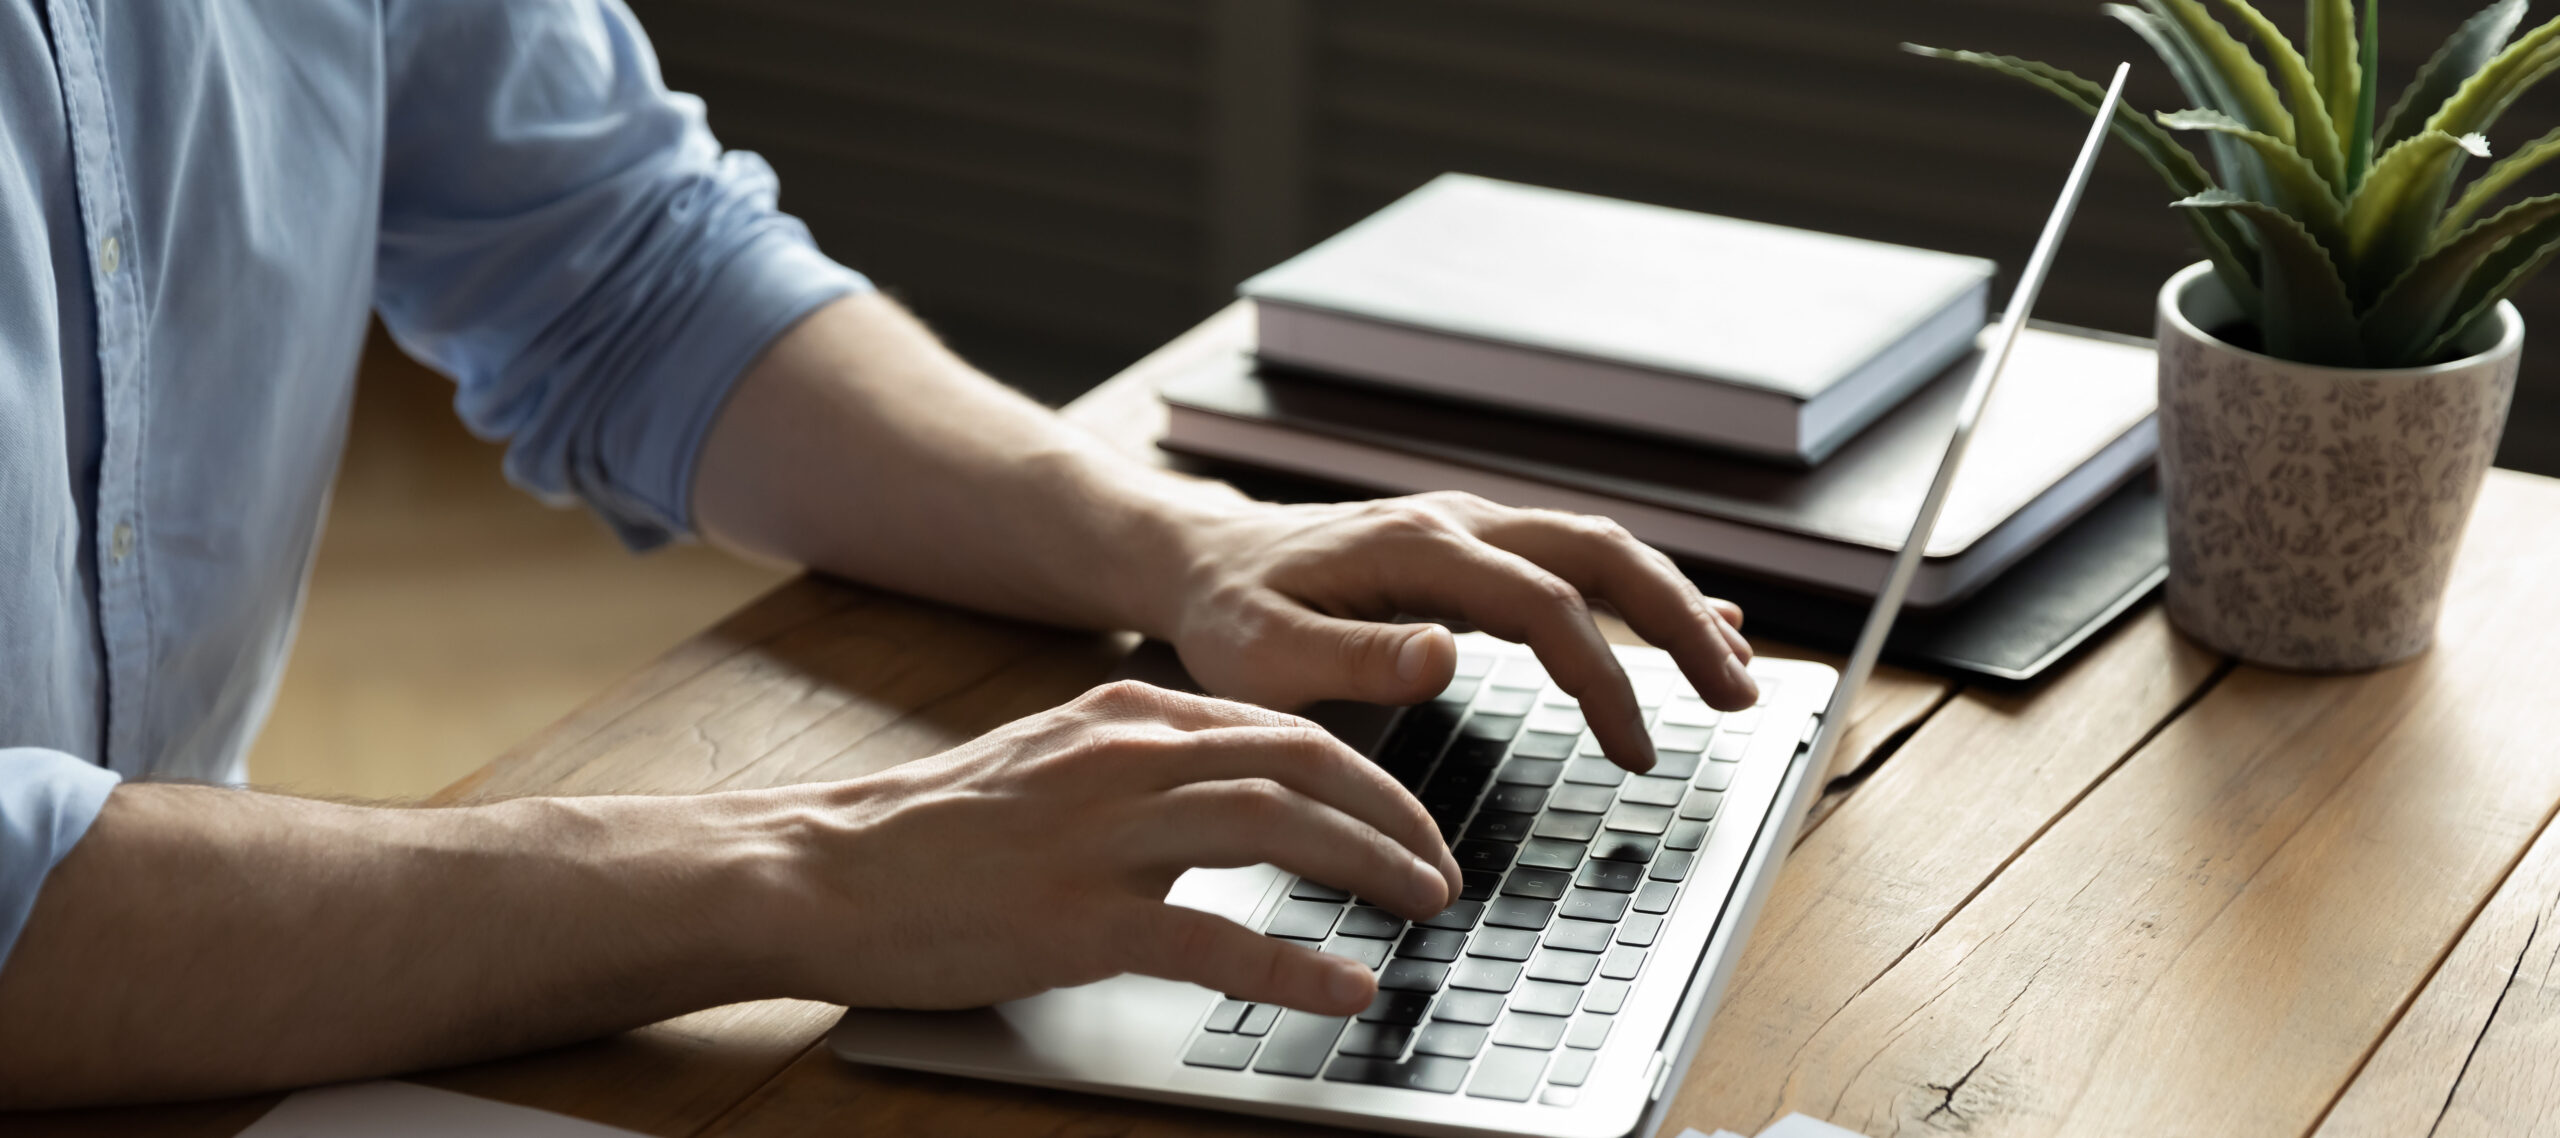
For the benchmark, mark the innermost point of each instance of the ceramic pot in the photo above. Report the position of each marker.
(2314, 511)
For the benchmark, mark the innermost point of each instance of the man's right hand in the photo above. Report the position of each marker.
(1039, 856)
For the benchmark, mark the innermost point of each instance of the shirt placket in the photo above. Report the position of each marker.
(123, 611)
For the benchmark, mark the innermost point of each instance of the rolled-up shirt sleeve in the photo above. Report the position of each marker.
(47, 800)
(563, 236)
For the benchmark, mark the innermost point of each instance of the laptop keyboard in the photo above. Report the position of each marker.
(1571, 863)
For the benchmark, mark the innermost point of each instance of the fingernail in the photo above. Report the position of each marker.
(1415, 656)
(1741, 677)
(1644, 743)
(1349, 985)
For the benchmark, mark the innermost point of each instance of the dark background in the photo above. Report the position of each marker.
(1059, 185)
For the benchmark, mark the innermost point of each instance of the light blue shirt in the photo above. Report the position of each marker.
(200, 202)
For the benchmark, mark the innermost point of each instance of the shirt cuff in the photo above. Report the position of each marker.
(752, 299)
(47, 800)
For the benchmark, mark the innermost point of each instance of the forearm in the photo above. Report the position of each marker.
(860, 446)
(203, 941)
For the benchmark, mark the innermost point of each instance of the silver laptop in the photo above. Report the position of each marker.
(1567, 990)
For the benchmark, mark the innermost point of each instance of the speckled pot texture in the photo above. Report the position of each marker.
(2314, 511)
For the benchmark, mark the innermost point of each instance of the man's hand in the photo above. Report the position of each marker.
(1285, 605)
(1039, 856)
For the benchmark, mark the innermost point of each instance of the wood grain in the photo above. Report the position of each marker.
(2210, 941)
(2478, 1053)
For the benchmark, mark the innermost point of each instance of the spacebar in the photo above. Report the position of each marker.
(1420, 1073)
(1298, 1046)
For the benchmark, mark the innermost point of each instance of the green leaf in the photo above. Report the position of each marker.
(2390, 219)
(2333, 57)
(2368, 81)
(2252, 99)
(2470, 46)
(2411, 314)
(2293, 185)
(2306, 315)
(2483, 96)
(2315, 135)
(2229, 245)
(2499, 275)
(2171, 45)
(2503, 173)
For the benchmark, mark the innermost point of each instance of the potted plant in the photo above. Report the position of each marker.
(2335, 374)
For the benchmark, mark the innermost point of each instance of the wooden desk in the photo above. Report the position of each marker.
(2156, 894)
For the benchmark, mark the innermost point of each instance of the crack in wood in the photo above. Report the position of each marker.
(2486, 1022)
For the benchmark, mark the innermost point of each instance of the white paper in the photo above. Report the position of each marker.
(1792, 1126)
(407, 1110)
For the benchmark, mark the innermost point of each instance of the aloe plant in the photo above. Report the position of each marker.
(2336, 229)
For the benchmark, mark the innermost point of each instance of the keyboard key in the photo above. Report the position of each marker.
(1743, 722)
(1571, 1068)
(1537, 744)
(1687, 834)
(1594, 905)
(1714, 776)
(1469, 763)
(1500, 826)
(1304, 920)
(1452, 1040)
(1306, 890)
(1462, 1006)
(1594, 772)
(1690, 713)
(1622, 963)
(1673, 737)
(1639, 929)
(1559, 1096)
(1258, 1019)
(1519, 913)
(1460, 692)
(1404, 975)
(1517, 799)
(1544, 997)
(1589, 747)
(1431, 944)
(1504, 944)
(1460, 917)
(1397, 1007)
(1655, 897)
(1474, 665)
(1605, 996)
(1365, 921)
(1564, 967)
(1478, 974)
(1673, 764)
(1531, 772)
(1618, 845)
(1520, 670)
(1300, 1045)
(1580, 936)
(1588, 1031)
(1525, 1029)
(1614, 876)
(1550, 853)
(1701, 805)
(1493, 857)
(1565, 826)
(1509, 703)
(1673, 866)
(1225, 1052)
(1635, 818)
(1729, 747)
(1370, 953)
(1376, 1040)
(1420, 1073)
(1583, 797)
(1478, 885)
(1653, 791)
(1558, 719)
(1225, 1016)
(1507, 1073)
(1541, 884)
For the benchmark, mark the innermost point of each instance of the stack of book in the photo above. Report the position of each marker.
(1761, 401)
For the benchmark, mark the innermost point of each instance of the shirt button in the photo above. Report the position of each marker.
(110, 254)
(121, 544)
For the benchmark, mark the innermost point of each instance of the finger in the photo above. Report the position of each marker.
(1209, 950)
(1127, 700)
(1503, 593)
(1315, 764)
(1599, 557)
(1369, 661)
(1250, 821)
